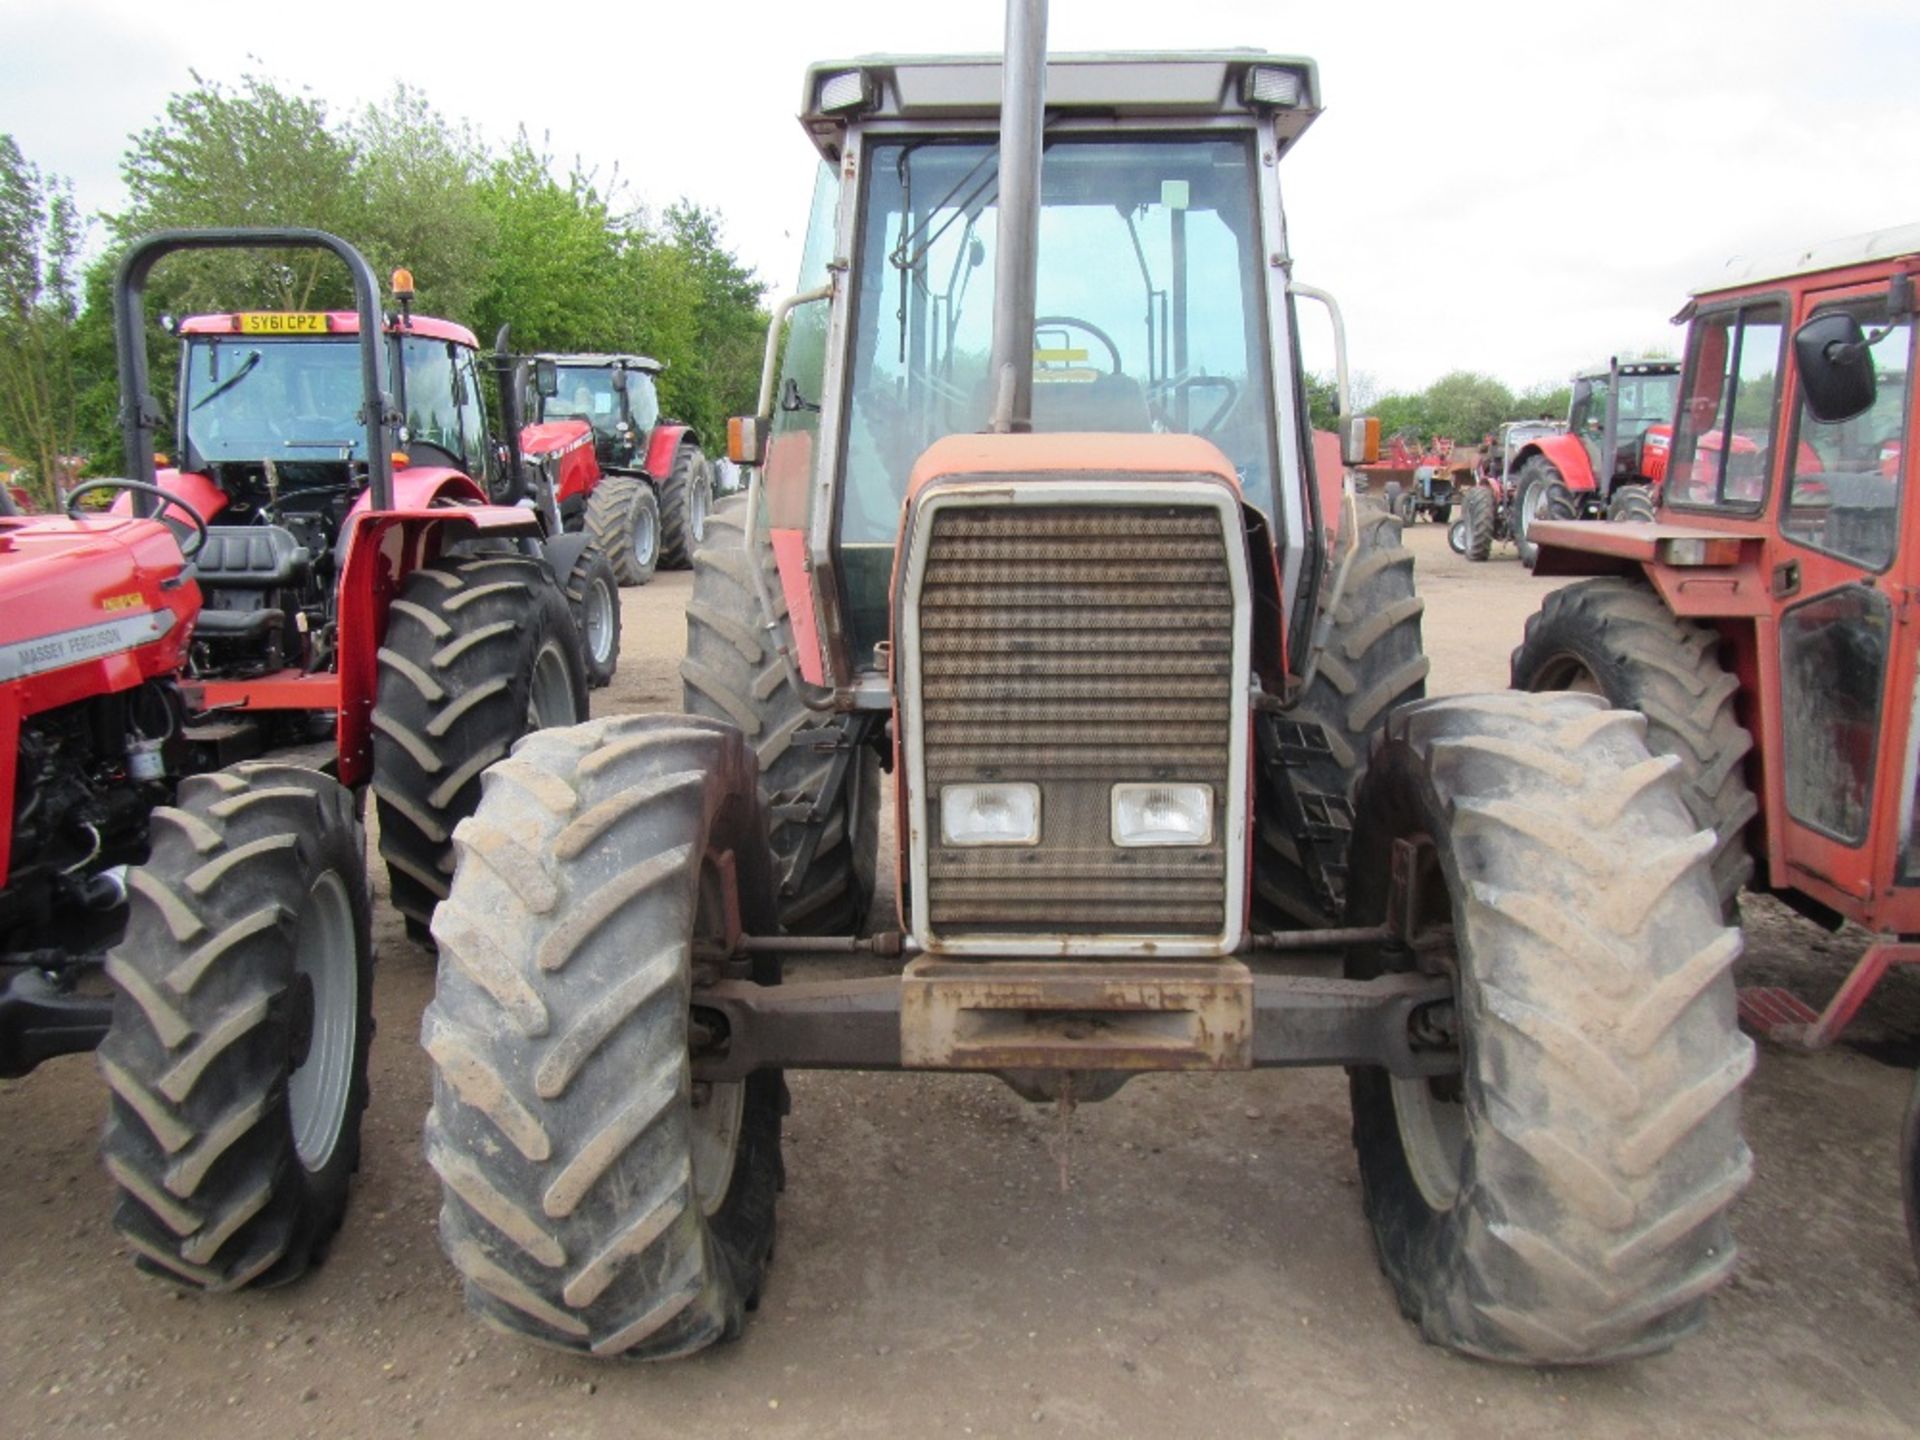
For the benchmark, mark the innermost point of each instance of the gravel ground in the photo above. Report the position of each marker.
(1207, 1272)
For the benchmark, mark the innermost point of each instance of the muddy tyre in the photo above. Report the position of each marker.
(818, 774)
(1540, 494)
(1631, 504)
(593, 597)
(623, 517)
(237, 1056)
(1313, 755)
(479, 650)
(1617, 639)
(686, 503)
(1563, 1200)
(1477, 509)
(592, 1197)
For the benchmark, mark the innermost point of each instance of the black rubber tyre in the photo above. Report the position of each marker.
(1457, 536)
(479, 651)
(1312, 756)
(1407, 508)
(1477, 509)
(686, 503)
(593, 1197)
(1910, 1169)
(819, 776)
(1630, 504)
(237, 1057)
(1616, 638)
(1390, 496)
(593, 596)
(1534, 499)
(1564, 1199)
(623, 515)
(1442, 514)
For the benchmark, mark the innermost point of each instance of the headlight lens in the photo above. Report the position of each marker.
(1154, 814)
(1005, 814)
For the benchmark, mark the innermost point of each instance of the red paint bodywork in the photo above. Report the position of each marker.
(340, 322)
(665, 441)
(59, 575)
(1567, 455)
(570, 442)
(207, 498)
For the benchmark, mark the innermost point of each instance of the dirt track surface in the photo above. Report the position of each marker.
(1207, 1273)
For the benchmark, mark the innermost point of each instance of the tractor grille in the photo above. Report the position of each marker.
(1076, 648)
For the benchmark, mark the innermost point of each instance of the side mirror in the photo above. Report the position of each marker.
(746, 439)
(620, 380)
(1359, 439)
(1836, 367)
(546, 378)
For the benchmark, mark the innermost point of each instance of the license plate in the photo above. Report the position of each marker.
(280, 322)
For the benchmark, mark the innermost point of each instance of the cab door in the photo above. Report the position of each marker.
(1844, 582)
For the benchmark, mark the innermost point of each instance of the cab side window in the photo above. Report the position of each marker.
(642, 401)
(473, 415)
(1589, 409)
(1844, 494)
(1725, 434)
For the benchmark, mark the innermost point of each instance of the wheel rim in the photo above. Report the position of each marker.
(597, 622)
(697, 506)
(714, 1140)
(1433, 1135)
(326, 966)
(1532, 506)
(646, 533)
(1457, 537)
(550, 696)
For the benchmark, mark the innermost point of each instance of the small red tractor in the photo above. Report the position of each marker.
(652, 507)
(1415, 482)
(1044, 540)
(1761, 621)
(1609, 458)
(196, 692)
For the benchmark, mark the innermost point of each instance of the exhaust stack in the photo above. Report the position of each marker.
(1023, 103)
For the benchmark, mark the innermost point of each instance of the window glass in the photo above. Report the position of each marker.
(433, 417)
(643, 403)
(1833, 662)
(788, 472)
(250, 399)
(473, 415)
(1724, 435)
(1844, 495)
(586, 393)
(1148, 314)
(1588, 413)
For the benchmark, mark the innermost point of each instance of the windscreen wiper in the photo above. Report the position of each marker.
(246, 368)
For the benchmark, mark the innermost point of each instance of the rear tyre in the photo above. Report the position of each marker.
(686, 500)
(593, 596)
(1564, 1199)
(623, 517)
(1534, 499)
(237, 1057)
(1615, 638)
(593, 1197)
(1477, 510)
(1631, 504)
(819, 773)
(479, 651)
(1457, 536)
(1313, 755)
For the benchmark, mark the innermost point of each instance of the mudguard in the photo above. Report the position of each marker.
(1567, 455)
(661, 445)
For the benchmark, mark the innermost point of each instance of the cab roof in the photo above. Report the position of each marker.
(1173, 84)
(1890, 244)
(606, 362)
(339, 322)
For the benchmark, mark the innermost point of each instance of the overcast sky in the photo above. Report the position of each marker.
(1514, 189)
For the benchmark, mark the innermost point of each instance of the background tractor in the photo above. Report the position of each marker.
(1488, 503)
(1044, 539)
(198, 690)
(1608, 460)
(1761, 622)
(652, 507)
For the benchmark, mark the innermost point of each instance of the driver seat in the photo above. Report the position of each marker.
(238, 568)
(1108, 402)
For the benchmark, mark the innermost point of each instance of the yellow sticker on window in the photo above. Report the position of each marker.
(282, 322)
(1064, 356)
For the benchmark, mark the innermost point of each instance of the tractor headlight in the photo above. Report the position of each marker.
(1154, 814)
(846, 90)
(1270, 85)
(1005, 814)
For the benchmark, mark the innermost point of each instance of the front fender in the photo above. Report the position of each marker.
(663, 443)
(1569, 457)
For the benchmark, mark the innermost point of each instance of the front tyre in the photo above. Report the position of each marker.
(594, 1197)
(1477, 512)
(593, 595)
(1631, 504)
(237, 1057)
(1563, 1200)
(623, 517)
(1541, 494)
(686, 500)
(480, 650)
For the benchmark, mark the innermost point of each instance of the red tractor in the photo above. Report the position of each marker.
(1608, 460)
(1043, 538)
(197, 691)
(1760, 622)
(652, 507)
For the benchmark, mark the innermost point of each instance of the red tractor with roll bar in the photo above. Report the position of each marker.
(1044, 540)
(1761, 620)
(1607, 462)
(651, 508)
(197, 691)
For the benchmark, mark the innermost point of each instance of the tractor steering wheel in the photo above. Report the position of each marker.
(166, 499)
(1073, 322)
(1188, 383)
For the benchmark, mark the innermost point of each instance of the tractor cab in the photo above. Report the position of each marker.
(616, 395)
(1623, 418)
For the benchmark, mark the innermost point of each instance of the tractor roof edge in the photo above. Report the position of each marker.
(339, 322)
(596, 359)
(1171, 84)
(1872, 245)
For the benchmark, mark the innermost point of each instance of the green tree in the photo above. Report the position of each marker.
(722, 375)
(40, 238)
(1323, 402)
(1464, 406)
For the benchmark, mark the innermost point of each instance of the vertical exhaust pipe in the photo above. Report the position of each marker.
(1023, 103)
